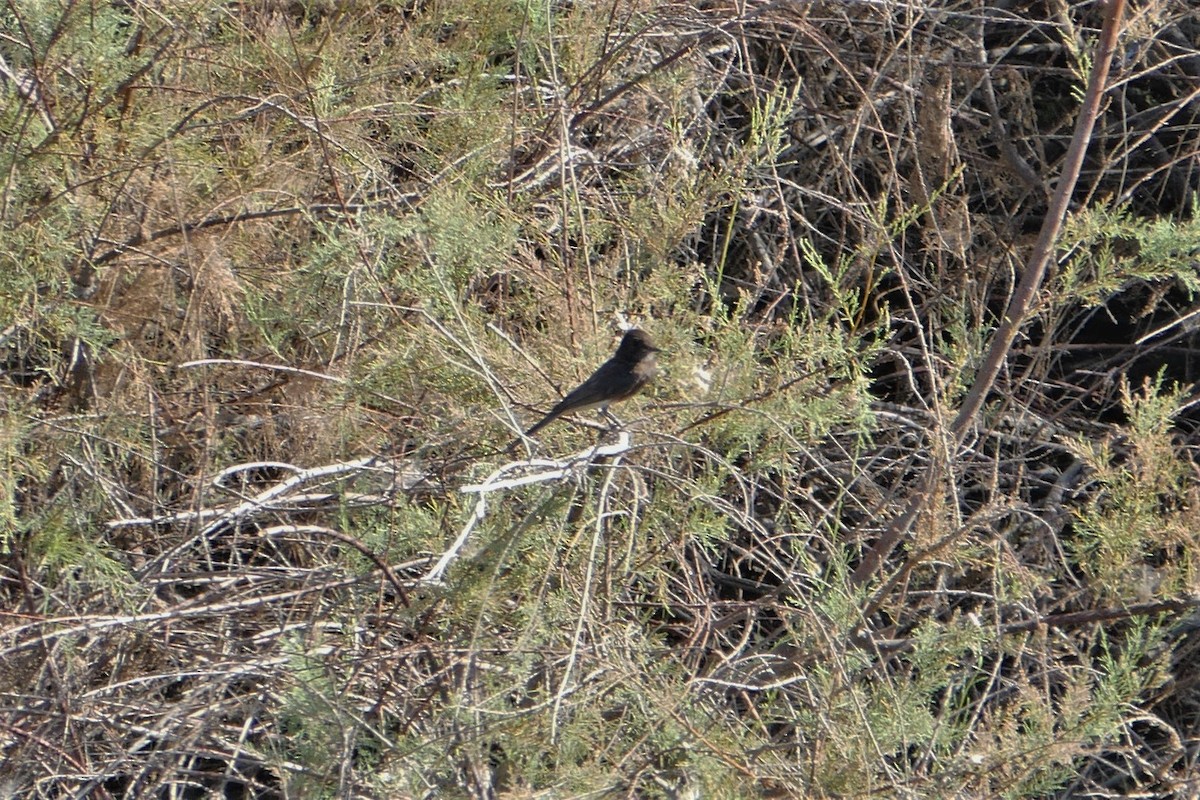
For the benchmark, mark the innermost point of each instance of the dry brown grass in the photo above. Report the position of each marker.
(280, 280)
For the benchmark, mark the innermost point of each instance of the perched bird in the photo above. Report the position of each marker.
(619, 378)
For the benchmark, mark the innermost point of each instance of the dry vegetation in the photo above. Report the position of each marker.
(279, 280)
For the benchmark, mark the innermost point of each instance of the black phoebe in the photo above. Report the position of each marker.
(619, 378)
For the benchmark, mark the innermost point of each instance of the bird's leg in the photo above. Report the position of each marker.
(613, 422)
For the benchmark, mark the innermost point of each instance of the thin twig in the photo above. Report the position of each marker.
(1023, 297)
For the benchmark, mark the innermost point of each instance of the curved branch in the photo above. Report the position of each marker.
(1023, 297)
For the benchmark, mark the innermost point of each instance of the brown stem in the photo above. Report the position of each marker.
(1023, 297)
(1043, 249)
